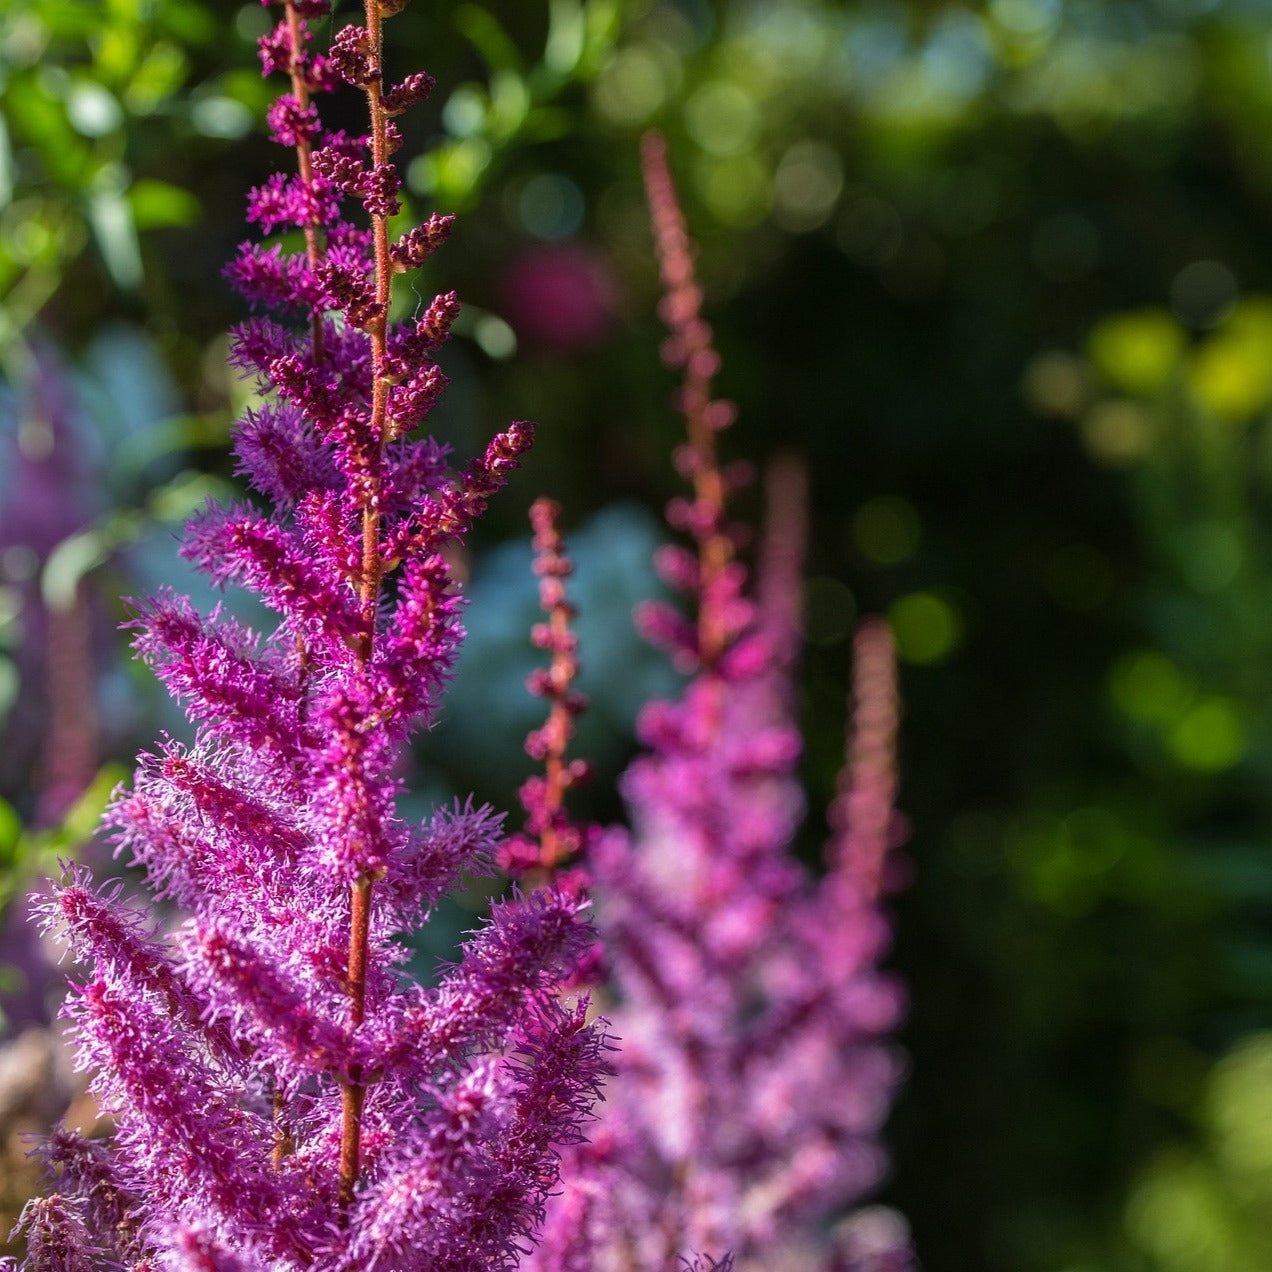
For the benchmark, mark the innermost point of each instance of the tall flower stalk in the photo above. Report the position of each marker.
(755, 1071)
(552, 839)
(283, 1097)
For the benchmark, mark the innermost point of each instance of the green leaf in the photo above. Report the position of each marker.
(602, 28)
(10, 830)
(68, 563)
(92, 110)
(547, 123)
(566, 34)
(189, 23)
(185, 494)
(156, 203)
(509, 105)
(1138, 352)
(117, 51)
(6, 166)
(82, 819)
(9, 685)
(111, 218)
(156, 79)
(484, 32)
(37, 117)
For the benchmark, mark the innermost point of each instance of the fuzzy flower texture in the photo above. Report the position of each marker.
(282, 1097)
(754, 1072)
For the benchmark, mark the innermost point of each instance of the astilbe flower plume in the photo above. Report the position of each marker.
(551, 838)
(282, 1096)
(755, 1070)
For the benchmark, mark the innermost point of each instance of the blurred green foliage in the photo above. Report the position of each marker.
(517, 102)
(42, 850)
(1208, 1205)
(86, 87)
(999, 271)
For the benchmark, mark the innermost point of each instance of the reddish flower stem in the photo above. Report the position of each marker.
(282, 1136)
(862, 817)
(783, 547)
(553, 566)
(304, 160)
(353, 1094)
(314, 252)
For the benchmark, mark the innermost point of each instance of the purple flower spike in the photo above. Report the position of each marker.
(755, 1071)
(551, 838)
(283, 1098)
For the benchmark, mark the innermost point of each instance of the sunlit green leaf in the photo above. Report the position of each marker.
(68, 563)
(156, 79)
(567, 32)
(1138, 352)
(156, 203)
(509, 103)
(111, 217)
(486, 34)
(92, 110)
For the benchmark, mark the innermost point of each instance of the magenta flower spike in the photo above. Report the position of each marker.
(551, 839)
(283, 1097)
(755, 1073)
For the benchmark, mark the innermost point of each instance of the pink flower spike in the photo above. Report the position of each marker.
(756, 1070)
(284, 1097)
(543, 798)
